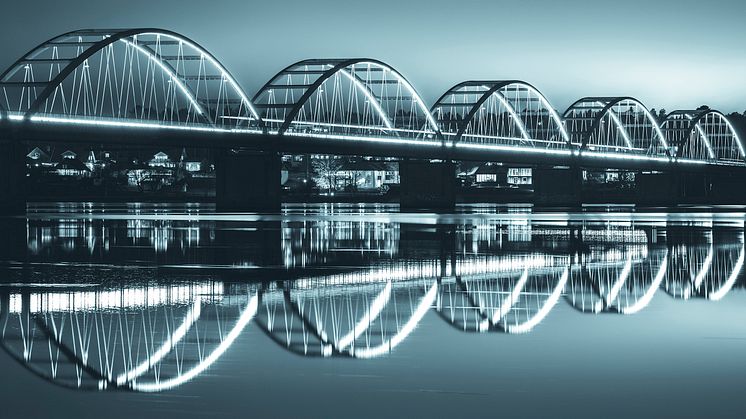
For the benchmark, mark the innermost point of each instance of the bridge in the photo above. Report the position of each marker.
(152, 337)
(152, 86)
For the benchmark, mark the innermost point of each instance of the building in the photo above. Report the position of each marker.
(520, 176)
(71, 166)
(361, 174)
(188, 165)
(39, 159)
(161, 159)
(489, 173)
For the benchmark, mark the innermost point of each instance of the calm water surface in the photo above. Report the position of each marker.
(359, 311)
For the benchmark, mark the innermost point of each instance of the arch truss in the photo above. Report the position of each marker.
(505, 113)
(352, 97)
(615, 125)
(143, 339)
(136, 76)
(707, 270)
(703, 135)
(358, 321)
(514, 302)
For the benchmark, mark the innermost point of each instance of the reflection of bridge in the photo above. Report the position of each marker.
(157, 337)
(142, 86)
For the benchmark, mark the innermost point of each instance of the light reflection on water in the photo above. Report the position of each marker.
(148, 300)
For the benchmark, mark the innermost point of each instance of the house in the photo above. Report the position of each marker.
(161, 159)
(489, 174)
(361, 174)
(104, 161)
(71, 166)
(520, 176)
(37, 158)
(188, 165)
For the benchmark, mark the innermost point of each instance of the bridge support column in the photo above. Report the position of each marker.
(558, 187)
(427, 185)
(660, 189)
(727, 189)
(12, 178)
(248, 182)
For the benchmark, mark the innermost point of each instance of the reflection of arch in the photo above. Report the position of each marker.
(618, 124)
(716, 275)
(500, 112)
(85, 330)
(311, 95)
(360, 322)
(40, 78)
(513, 304)
(246, 316)
(703, 134)
(625, 287)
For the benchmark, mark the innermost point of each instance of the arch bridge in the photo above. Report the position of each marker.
(154, 86)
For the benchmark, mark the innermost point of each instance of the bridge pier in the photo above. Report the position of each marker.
(689, 188)
(658, 189)
(248, 182)
(427, 185)
(558, 186)
(12, 177)
(727, 189)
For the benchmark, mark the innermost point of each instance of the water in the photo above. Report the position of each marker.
(358, 311)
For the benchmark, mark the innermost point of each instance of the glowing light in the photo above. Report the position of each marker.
(177, 335)
(373, 312)
(419, 312)
(735, 135)
(731, 281)
(643, 301)
(508, 303)
(542, 313)
(247, 315)
(112, 123)
(513, 114)
(417, 98)
(371, 99)
(552, 112)
(620, 127)
(705, 268)
(219, 66)
(168, 71)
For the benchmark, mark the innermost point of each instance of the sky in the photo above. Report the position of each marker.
(669, 54)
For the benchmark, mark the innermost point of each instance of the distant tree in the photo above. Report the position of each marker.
(662, 115)
(326, 171)
(703, 108)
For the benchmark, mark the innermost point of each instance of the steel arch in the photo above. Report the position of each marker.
(483, 91)
(88, 43)
(703, 134)
(308, 77)
(584, 120)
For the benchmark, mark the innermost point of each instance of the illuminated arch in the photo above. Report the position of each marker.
(509, 112)
(625, 287)
(703, 134)
(715, 277)
(54, 335)
(512, 304)
(322, 323)
(145, 74)
(593, 288)
(344, 97)
(615, 124)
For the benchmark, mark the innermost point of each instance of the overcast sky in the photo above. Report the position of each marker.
(671, 54)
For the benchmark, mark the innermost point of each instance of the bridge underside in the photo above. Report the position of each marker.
(298, 144)
(248, 167)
